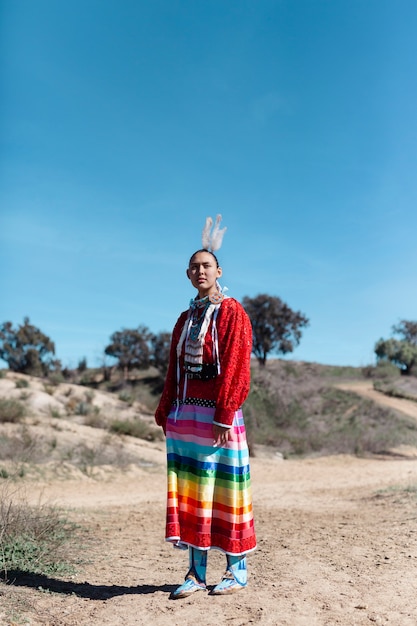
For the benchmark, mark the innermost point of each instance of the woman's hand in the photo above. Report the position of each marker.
(221, 434)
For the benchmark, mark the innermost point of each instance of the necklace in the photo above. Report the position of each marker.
(198, 313)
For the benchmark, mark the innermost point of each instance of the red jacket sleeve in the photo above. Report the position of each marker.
(170, 387)
(235, 347)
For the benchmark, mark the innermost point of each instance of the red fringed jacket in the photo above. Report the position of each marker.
(230, 388)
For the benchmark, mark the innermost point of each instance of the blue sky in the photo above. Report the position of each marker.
(124, 124)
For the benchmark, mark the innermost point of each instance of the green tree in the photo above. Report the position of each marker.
(161, 344)
(276, 327)
(27, 349)
(402, 352)
(407, 330)
(131, 347)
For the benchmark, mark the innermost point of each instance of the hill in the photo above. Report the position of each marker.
(294, 408)
(311, 409)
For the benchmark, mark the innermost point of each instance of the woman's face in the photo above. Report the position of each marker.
(203, 273)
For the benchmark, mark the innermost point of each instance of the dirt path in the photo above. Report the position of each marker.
(337, 546)
(408, 407)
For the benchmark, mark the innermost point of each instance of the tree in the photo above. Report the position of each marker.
(276, 327)
(402, 352)
(27, 349)
(131, 348)
(408, 331)
(161, 344)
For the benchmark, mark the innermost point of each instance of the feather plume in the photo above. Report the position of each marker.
(217, 234)
(206, 233)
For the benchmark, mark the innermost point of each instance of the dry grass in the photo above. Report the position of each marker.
(137, 428)
(11, 410)
(404, 387)
(295, 408)
(34, 539)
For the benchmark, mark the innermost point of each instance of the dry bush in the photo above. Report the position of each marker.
(11, 410)
(22, 383)
(382, 370)
(33, 538)
(137, 428)
(404, 387)
(95, 419)
(24, 447)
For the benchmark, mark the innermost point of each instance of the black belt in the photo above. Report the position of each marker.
(207, 371)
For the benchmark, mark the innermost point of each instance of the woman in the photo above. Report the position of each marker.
(209, 501)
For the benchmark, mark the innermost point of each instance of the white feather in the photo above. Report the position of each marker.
(206, 233)
(217, 234)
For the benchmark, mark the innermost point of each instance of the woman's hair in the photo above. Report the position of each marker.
(204, 250)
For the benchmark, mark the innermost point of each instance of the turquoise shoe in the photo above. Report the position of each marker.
(187, 588)
(228, 584)
(235, 577)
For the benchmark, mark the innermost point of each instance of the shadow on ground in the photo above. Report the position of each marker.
(17, 578)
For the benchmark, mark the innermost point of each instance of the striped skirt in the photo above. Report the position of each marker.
(209, 502)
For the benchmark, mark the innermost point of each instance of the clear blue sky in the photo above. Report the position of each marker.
(124, 124)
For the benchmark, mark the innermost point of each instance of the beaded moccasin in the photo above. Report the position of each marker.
(188, 587)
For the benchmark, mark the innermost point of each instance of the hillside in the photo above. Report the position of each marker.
(293, 408)
(311, 409)
(70, 427)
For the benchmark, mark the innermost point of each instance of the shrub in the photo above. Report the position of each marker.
(94, 419)
(24, 446)
(55, 378)
(83, 408)
(22, 383)
(384, 369)
(33, 538)
(89, 396)
(137, 428)
(390, 389)
(126, 396)
(86, 408)
(11, 410)
(49, 389)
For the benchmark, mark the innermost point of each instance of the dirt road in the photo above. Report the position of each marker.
(337, 546)
(366, 389)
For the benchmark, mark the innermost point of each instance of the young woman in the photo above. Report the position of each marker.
(209, 504)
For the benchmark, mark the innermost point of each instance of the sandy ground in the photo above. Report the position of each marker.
(337, 545)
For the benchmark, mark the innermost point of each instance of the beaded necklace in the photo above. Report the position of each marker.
(198, 313)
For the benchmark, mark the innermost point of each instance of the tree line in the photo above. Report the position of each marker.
(276, 329)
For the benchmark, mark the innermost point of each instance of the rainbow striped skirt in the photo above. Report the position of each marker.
(209, 502)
